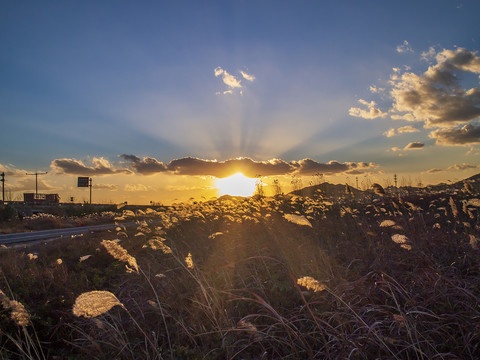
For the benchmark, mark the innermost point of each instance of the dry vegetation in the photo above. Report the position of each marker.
(395, 277)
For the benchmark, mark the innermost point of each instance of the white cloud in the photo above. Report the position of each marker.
(435, 97)
(405, 47)
(233, 82)
(247, 76)
(372, 112)
(429, 55)
(376, 90)
(390, 133)
(404, 129)
(228, 79)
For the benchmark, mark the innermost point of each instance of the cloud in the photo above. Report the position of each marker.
(436, 97)
(405, 47)
(145, 166)
(390, 133)
(10, 170)
(429, 55)
(247, 76)
(463, 166)
(404, 129)
(29, 185)
(376, 90)
(252, 168)
(372, 111)
(233, 82)
(248, 167)
(228, 79)
(395, 148)
(111, 187)
(135, 187)
(434, 170)
(414, 146)
(310, 167)
(466, 135)
(101, 166)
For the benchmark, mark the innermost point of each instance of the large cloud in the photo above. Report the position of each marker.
(145, 166)
(101, 166)
(436, 97)
(466, 135)
(251, 168)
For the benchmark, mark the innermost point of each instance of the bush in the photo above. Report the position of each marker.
(7, 212)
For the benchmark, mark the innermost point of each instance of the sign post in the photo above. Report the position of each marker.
(85, 181)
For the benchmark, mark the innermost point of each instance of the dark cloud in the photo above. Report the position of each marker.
(247, 166)
(132, 158)
(436, 97)
(145, 166)
(310, 167)
(466, 135)
(414, 146)
(101, 166)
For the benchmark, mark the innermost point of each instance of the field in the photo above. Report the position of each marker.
(319, 277)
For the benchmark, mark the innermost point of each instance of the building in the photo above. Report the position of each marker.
(31, 198)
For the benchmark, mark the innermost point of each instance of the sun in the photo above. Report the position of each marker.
(236, 185)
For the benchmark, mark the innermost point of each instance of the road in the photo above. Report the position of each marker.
(26, 237)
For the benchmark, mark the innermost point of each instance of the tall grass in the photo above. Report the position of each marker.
(236, 279)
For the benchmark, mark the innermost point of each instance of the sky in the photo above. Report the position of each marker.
(156, 99)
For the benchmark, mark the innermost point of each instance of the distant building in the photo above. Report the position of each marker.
(31, 198)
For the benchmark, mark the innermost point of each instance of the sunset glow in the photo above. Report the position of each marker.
(153, 103)
(236, 185)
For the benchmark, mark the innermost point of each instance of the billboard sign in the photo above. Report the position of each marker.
(83, 181)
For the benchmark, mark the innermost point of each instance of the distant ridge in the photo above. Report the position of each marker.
(340, 189)
(326, 189)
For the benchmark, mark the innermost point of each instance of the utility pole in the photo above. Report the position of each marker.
(357, 181)
(36, 173)
(3, 187)
(90, 183)
(395, 179)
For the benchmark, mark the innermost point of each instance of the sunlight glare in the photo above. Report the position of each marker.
(236, 185)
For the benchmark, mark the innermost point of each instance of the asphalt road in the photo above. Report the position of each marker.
(26, 237)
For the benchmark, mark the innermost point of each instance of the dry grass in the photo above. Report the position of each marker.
(235, 279)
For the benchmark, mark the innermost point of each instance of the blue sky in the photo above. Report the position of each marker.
(89, 79)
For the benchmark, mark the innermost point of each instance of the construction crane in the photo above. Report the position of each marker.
(36, 173)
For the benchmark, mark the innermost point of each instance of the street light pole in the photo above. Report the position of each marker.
(36, 181)
(3, 187)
